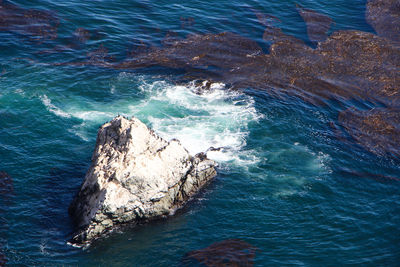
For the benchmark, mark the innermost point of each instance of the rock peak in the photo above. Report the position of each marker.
(135, 176)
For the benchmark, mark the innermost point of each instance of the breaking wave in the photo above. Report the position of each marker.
(215, 118)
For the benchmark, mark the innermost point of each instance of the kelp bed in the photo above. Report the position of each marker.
(345, 65)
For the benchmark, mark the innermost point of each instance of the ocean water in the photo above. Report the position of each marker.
(286, 184)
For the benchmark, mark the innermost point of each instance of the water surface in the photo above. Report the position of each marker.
(286, 184)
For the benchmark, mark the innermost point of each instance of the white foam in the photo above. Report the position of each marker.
(92, 115)
(43, 247)
(20, 92)
(217, 118)
(80, 131)
(52, 108)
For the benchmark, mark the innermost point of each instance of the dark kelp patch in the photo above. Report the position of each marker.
(231, 252)
(187, 22)
(38, 25)
(82, 35)
(369, 175)
(318, 24)
(220, 51)
(344, 66)
(384, 17)
(377, 130)
(349, 64)
(265, 19)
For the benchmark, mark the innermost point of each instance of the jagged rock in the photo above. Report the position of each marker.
(135, 176)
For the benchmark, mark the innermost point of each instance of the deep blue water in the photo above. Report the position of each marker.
(279, 187)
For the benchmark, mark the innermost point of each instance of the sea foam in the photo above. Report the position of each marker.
(217, 118)
(52, 108)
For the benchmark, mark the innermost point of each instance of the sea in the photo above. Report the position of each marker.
(286, 184)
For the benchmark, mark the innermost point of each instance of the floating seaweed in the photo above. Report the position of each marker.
(274, 34)
(99, 56)
(349, 64)
(170, 38)
(218, 51)
(231, 252)
(39, 25)
(384, 17)
(186, 22)
(346, 65)
(265, 19)
(377, 130)
(318, 24)
(77, 41)
(82, 35)
(377, 177)
(137, 48)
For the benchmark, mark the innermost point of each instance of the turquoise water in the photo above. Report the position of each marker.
(280, 185)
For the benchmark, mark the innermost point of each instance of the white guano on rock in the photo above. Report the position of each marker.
(135, 176)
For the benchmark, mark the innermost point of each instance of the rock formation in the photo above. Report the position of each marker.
(135, 176)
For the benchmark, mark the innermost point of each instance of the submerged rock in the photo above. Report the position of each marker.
(135, 176)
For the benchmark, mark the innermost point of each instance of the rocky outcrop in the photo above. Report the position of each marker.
(135, 176)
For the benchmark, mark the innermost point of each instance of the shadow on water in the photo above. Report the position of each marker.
(57, 195)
